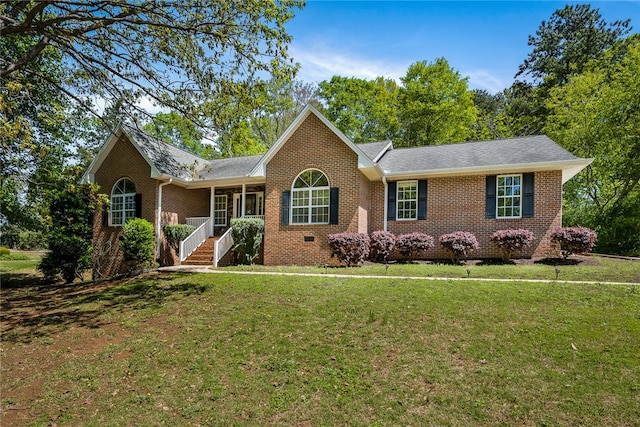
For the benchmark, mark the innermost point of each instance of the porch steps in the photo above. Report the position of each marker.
(203, 255)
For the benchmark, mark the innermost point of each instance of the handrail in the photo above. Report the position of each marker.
(196, 221)
(222, 246)
(194, 240)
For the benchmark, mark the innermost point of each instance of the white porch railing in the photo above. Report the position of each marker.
(196, 221)
(222, 246)
(195, 239)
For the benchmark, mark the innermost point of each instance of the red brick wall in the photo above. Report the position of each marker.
(312, 145)
(124, 161)
(458, 204)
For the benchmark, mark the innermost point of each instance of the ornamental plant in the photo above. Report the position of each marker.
(138, 243)
(175, 233)
(411, 244)
(574, 240)
(350, 248)
(381, 245)
(247, 238)
(459, 244)
(512, 240)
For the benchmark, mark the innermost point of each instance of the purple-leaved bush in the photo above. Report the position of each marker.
(381, 245)
(350, 248)
(411, 244)
(574, 240)
(512, 240)
(459, 243)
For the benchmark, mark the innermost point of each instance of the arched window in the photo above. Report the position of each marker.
(123, 201)
(310, 198)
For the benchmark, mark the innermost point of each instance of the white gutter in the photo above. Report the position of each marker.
(386, 199)
(159, 217)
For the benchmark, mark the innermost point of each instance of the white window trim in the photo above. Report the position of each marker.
(215, 203)
(237, 208)
(310, 206)
(498, 197)
(124, 210)
(415, 217)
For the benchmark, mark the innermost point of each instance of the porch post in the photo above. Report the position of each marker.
(244, 198)
(212, 208)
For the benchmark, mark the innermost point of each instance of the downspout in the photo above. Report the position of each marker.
(159, 218)
(386, 199)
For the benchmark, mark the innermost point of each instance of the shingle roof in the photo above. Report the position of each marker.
(167, 159)
(525, 150)
(233, 167)
(373, 149)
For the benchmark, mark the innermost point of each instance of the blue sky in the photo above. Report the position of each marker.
(484, 41)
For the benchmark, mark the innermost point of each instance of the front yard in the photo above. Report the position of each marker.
(223, 349)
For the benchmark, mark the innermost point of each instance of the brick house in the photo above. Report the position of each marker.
(314, 181)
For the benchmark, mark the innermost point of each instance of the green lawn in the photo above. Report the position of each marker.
(592, 269)
(223, 349)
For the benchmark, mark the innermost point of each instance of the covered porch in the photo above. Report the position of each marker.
(214, 231)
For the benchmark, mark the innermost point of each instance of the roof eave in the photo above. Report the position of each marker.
(569, 169)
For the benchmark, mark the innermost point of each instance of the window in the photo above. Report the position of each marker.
(407, 200)
(509, 196)
(220, 210)
(310, 198)
(123, 201)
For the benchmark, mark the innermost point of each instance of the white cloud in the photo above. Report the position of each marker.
(322, 63)
(481, 79)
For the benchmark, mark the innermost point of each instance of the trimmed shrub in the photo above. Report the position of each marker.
(381, 244)
(247, 237)
(138, 243)
(512, 240)
(411, 244)
(574, 240)
(459, 244)
(4, 251)
(350, 248)
(68, 256)
(175, 233)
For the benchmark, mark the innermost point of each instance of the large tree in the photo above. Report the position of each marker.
(571, 38)
(364, 110)
(597, 114)
(175, 53)
(435, 104)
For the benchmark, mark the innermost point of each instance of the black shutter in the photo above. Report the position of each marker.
(334, 193)
(391, 201)
(105, 217)
(138, 199)
(286, 202)
(490, 197)
(422, 199)
(527, 195)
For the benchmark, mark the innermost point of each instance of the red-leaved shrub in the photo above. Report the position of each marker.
(459, 243)
(350, 248)
(574, 240)
(411, 244)
(381, 245)
(512, 240)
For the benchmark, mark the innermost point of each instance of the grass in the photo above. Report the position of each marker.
(271, 350)
(600, 270)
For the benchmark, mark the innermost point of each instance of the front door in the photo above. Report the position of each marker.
(252, 207)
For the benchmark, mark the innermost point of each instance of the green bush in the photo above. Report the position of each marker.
(4, 251)
(247, 237)
(138, 243)
(175, 233)
(68, 256)
(9, 235)
(31, 240)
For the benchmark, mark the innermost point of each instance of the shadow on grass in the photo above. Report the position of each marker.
(558, 261)
(35, 310)
(496, 261)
